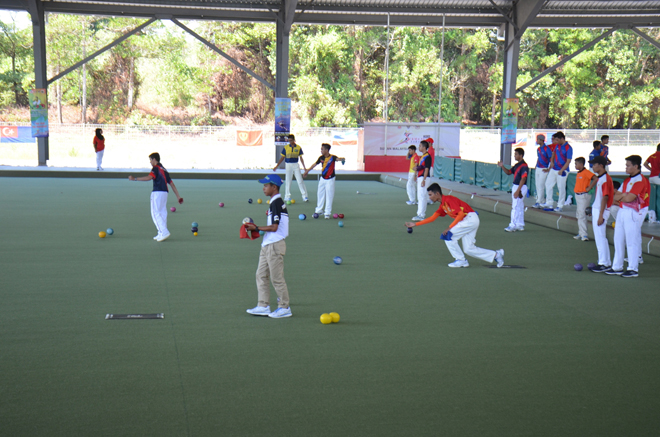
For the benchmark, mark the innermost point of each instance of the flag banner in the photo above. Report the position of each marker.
(510, 121)
(282, 121)
(344, 138)
(249, 138)
(402, 135)
(38, 112)
(16, 134)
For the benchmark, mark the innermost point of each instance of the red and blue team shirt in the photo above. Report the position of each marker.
(563, 153)
(161, 178)
(639, 186)
(603, 151)
(544, 154)
(520, 170)
(452, 206)
(424, 162)
(328, 170)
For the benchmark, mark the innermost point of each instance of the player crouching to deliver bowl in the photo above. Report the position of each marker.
(273, 249)
(464, 226)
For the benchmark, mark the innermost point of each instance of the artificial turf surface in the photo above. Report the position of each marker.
(421, 349)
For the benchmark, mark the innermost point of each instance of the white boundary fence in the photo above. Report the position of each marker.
(180, 147)
(214, 147)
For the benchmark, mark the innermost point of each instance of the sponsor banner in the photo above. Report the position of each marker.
(402, 135)
(510, 121)
(16, 134)
(282, 120)
(249, 138)
(38, 112)
(344, 138)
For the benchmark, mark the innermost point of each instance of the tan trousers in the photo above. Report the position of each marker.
(583, 201)
(271, 266)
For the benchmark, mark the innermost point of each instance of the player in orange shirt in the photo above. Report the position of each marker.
(584, 182)
(411, 187)
(464, 226)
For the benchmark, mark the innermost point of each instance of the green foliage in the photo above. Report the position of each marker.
(337, 73)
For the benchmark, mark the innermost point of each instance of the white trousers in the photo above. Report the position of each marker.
(540, 177)
(642, 216)
(626, 239)
(600, 236)
(99, 158)
(159, 211)
(422, 196)
(655, 180)
(560, 181)
(583, 201)
(292, 168)
(325, 195)
(466, 230)
(518, 207)
(411, 187)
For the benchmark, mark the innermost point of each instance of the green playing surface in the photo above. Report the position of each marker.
(421, 349)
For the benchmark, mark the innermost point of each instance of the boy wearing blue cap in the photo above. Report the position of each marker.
(273, 249)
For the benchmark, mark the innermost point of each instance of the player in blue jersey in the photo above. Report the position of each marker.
(160, 177)
(544, 154)
(520, 173)
(326, 190)
(560, 161)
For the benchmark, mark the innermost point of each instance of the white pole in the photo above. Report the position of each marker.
(387, 81)
(442, 67)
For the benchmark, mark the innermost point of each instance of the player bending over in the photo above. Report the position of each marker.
(464, 226)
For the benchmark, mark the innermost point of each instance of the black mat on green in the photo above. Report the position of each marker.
(421, 349)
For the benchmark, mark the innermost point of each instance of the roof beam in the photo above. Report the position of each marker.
(646, 37)
(223, 54)
(568, 58)
(98, 52)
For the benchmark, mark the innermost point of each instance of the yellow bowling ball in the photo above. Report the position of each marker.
(293, 200)
(613, 225)
(335, 317)
(326, 319)
(259, 201)
(195, 234)
(102, 234)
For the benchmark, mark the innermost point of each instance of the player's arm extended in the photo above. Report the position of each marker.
(425, 221)
(268, 228)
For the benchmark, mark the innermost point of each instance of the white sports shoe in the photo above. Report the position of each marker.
(408, 202)
(499, 257)
(417, 218)
(510, 229)
(459, 263)
(520, 228)
(558, 209)
(157, 237)
(281, 313)
(305, 199)
(163, 237)
(259, 311)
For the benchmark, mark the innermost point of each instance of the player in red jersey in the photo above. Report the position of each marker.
(464, 226)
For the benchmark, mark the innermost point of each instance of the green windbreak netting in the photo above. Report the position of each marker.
(458, 169)
(444, 168)
(507, 181)
(492, 175)
(468, 172)
(531, 182)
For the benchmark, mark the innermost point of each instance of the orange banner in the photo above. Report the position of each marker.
(249, 138)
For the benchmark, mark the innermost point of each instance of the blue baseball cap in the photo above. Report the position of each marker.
(272, 179)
